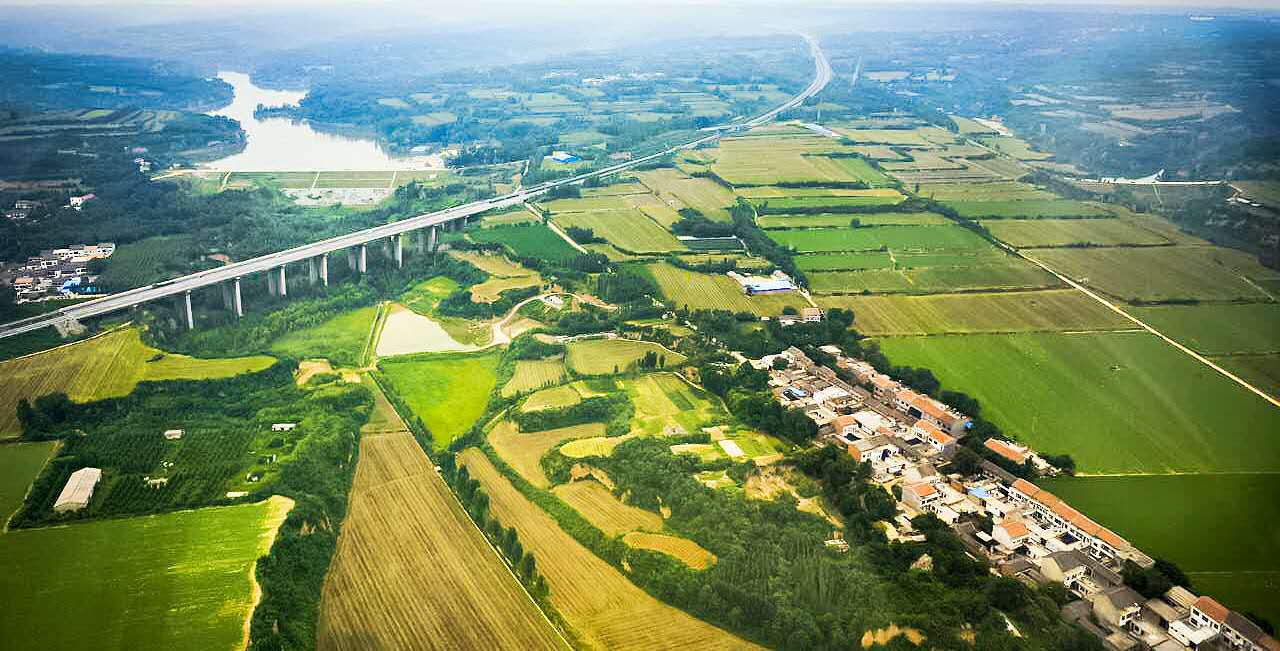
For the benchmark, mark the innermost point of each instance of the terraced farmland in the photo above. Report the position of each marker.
(682, 549)
(605, 511)
(598, 602)
(524, 450)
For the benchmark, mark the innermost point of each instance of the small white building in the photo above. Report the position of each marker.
(174, 434)
(283, 427)
(78, 491)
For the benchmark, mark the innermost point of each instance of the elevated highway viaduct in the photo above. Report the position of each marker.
(316, 254)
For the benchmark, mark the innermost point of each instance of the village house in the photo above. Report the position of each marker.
(1011, 534)
(1117, 607)
(921, 497)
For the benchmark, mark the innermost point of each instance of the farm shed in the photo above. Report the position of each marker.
(78, 491)
(283, 427)
(174, 434)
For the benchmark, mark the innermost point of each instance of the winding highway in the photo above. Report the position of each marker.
(231, 273)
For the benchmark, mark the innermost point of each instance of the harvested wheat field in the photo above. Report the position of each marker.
(605, 609)
(682, 549)
(524, 450)
(413, 572)
(608, 513)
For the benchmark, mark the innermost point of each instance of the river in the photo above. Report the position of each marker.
(281, 144)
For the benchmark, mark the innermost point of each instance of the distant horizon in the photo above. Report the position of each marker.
(1190, 6)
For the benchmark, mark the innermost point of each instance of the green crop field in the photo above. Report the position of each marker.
(781, 205)
(769, 160)
(697, 290)
(602, 356)
(664, 402)
(448, 392)
(995, 190)
(1064, 232)
(1163, 273)
(1027, 209)
(1117, 402)
(870, 238)
(106, 366)
(147, 261)
(840, 220)
(1050, 310)
(174, 581)
(844, 261)
(340, 340)
(1262, 371)
(1218, 329)
(704, 195)
(533, 374)
(1224, 537)
(762, 192)
(984, 274)
(20, 463)
(564, 395)
(532, 241)
(629, 230)
(1015, 147)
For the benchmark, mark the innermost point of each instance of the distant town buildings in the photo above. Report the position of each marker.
(22, 209)
(59, 272)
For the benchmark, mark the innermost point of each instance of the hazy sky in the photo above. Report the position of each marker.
(1187, 5)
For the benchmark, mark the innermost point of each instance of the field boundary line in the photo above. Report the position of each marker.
(556, 229)
(1142, 324)
(71, 343)
(53, 453)
(404, 429)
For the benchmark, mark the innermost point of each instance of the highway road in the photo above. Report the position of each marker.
(180, 286)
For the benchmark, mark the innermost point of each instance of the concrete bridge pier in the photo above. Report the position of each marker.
(351, 259)
(271, 283)
(186, 305)
(399, 251)
(324, 269)
(431, 241)
(364, 258)
(284, 288)
(313, 271)
(239, 306)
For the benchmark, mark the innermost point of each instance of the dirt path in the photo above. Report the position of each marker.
(1142, 324)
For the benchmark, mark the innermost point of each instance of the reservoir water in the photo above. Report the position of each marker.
(281, 144)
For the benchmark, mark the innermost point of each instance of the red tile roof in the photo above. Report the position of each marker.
(1026, 488)
(1014, 528)
(1003, 449)
(1214, 610)
(1108, 536)
(922, 490)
